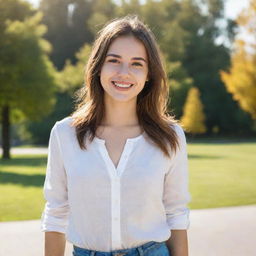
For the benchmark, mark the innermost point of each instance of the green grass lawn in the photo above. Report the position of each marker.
(221, 174)
(21, 182)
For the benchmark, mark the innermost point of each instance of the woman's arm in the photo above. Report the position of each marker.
(54, 244)
(176, 197)
(54, 218)
(178, 243)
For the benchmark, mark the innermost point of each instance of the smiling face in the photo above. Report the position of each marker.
(125, 69)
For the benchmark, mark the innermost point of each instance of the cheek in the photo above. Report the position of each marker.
(141, 75)
(108, 69)
(106, 74)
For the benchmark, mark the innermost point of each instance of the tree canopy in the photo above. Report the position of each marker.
(27, 80)
(26, 71)
(187, 31)
(240, 79)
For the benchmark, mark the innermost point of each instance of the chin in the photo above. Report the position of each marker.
(123, 98)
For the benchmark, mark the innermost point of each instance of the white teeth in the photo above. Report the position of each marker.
(123, 85)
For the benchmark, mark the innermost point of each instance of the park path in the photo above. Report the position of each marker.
(28, 151)
(229, 231)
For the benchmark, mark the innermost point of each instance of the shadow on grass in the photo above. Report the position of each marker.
(221, 141)
(35, 180)
(25, 161)
(193, 156)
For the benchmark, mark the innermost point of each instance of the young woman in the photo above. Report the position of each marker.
(117, 178)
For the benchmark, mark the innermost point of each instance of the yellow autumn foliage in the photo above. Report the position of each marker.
(193, 115)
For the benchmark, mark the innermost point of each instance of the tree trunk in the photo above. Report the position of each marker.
(6, 132)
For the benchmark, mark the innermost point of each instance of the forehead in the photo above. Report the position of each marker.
(128, 46)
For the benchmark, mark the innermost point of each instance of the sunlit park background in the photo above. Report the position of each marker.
(209, 47)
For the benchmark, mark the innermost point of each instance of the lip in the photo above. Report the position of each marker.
(120, 88)
(121, 82)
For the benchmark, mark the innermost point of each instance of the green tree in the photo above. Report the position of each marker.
(68, 30)
(128, 7)
(240, 80)
(193, 117)
(14, 10)
(27, 76)
(187, 31)
(56, 19)
(203, 58)
(69, 80)
(102, 11)
(180, 84)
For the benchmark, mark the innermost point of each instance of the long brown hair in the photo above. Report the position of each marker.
(151, 101)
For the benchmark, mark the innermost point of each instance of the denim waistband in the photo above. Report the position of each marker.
(140, 250)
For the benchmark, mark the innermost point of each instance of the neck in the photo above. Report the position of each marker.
(120, 114)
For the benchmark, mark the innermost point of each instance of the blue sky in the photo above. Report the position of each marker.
(232, 7)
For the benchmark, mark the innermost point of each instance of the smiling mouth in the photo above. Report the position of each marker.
(122, 85)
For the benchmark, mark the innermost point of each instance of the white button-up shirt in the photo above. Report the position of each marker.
(101, 207)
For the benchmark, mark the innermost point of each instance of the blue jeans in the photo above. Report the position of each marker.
(148, 249)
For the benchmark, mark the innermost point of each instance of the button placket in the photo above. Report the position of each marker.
(107, 160)
(115, 175)
(115, 205)
(125, 156)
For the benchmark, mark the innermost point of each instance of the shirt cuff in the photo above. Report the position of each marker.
(51, 223)
(179, 222)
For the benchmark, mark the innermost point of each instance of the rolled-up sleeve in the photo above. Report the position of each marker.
(176, 194)
(55, 214)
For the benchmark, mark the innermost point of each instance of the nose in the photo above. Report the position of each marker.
(124, 69)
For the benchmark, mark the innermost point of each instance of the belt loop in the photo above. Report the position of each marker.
(92, 253)
(141, 253)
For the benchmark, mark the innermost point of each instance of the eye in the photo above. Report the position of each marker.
(137, 64)
(113, 60)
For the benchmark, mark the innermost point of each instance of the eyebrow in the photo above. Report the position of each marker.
(118, 56)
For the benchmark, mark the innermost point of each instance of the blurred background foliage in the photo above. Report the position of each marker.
(211, 71)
